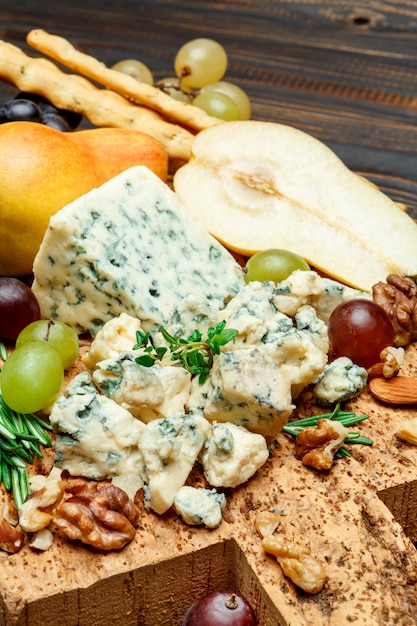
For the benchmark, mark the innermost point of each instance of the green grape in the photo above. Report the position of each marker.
(62, 337)
(136, 69)
(273, 264)
(31, 377)
(218, 105)
(200, 62)
(239, 97)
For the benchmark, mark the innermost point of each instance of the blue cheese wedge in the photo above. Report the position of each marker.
(199, 507)
(94, 436)
(128, 246)
(170, 447)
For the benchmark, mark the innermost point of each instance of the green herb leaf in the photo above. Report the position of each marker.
(146, 359)
(194, 353)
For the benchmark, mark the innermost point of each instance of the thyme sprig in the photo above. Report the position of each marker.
(346, 418)
(194, 353)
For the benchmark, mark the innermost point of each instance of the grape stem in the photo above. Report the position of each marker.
(48, 330)
(231, 602)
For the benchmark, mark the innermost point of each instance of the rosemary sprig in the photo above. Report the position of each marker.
(21, 436)
(194, 353)
(346, 418)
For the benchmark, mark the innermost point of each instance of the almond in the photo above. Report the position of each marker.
(397, 390)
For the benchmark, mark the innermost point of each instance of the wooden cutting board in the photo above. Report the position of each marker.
(359, 520)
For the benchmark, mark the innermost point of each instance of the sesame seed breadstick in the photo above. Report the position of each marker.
(64, 52)
(102, 107)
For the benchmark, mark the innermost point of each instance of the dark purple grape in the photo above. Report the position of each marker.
(18, 307)
(220, 608)
(20, 110)
(71, 117)
(54, 120)
(359, 329)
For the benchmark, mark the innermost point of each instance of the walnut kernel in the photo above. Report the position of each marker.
(316, 446)
(12, 538)
(297, 563)
(36, 511)
(398, 297)
(98, 514)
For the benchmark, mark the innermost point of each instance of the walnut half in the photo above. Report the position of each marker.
(297, 563)
(12, 538)
(398, 297)
(98, 514)
(390, 361)
(316, 446)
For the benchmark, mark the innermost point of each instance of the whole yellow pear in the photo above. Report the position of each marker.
(41, 170)
(117, 149)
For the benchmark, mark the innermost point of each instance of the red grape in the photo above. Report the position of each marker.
(220, 608)
(359, 329)
(18, 307)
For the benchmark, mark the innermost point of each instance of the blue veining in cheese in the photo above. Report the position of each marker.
(128, 246)
(147, 392)
(94, 436)
(247, 388)
(170, 447)
(339, 381)
(231, 455)
(198, 506)
(324, 294)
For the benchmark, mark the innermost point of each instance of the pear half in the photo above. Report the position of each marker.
(259, 185)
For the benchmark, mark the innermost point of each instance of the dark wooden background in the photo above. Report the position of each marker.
(346, 72)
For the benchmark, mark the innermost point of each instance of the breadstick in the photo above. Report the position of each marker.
(102, 107)
(63, 51)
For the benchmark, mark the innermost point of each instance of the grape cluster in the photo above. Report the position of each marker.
(32, 374)
(30, 107)
(199, 68)
(30, 379)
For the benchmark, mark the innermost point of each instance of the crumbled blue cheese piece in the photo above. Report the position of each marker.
(231, 455)
(247, 388)
(290, 350)
(116, 336)
(128, 246)
(306, 320)
(324, 294)
(339, 381)
(170, 447)
(198, 506)
(95, 437)
(190, 313)
(252, 313)
(147, 392)
(297, 357)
